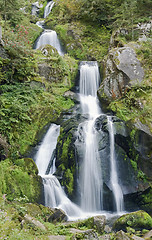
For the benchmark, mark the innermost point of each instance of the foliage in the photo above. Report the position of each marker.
(11, 10)
(17, 183)
(136, 220)
(135, 104)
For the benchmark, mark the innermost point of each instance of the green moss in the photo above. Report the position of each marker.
(136, 220)
(18, 182)
(82, 40)
(69, 181)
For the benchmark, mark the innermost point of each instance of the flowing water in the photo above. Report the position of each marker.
(48, 8)
(90, 174)
(46, 150)
(54, 195)
(90, 169)
(116, 189)
(49, 37)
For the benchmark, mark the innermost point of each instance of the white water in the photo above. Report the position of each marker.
(53, 193)
(116, 189)
(55, 197)
(40, 24)
(48, 8)
(46, 149)
(90, 176)
(49, 37)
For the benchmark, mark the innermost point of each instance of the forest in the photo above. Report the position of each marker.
(38, 87)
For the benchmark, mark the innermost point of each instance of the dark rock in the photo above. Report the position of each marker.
(58, 216)
(137, 220)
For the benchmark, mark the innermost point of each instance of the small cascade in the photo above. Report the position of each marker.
(40, 24)
(48, 8)
(116, 189)
(56, 197)
(49, 37)
(90, 176)
(45, 160)
(46, 149)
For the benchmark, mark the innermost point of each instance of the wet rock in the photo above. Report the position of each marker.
(137, 220)
(99, 223)
(58, 216)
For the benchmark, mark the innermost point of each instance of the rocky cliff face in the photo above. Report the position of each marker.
(122, 70)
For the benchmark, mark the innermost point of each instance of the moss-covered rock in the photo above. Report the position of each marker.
(20, 182)
(137, 220)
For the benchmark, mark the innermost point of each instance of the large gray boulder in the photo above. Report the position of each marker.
(122, 70)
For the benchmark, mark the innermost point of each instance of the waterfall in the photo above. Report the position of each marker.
(55, 197)
(49, 37)
(45, 160)
(46, 149)
(90, 175)
(116, 189)
(48, 8)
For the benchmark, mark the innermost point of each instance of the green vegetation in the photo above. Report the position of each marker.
(29, 100)
(136, 220)
(19, 181)
(67, 163)
(82, 40)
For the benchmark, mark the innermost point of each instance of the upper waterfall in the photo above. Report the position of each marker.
(89, 78)
(49, 37)
(48, 8)
(90, 174)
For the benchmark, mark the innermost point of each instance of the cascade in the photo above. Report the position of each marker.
(46, 149)
(90, 174)
(116, 189)
(54, 195)
(90, 169)
(49, 37)
(48, 8)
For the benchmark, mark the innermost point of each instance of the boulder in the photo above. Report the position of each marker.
(99, 223)
(121, 236)
(84, 234)
(137, 220)
(33, 222)
(122, 70)
(58, 216)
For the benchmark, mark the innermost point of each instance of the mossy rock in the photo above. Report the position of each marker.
(137, 220)
(28, 165)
